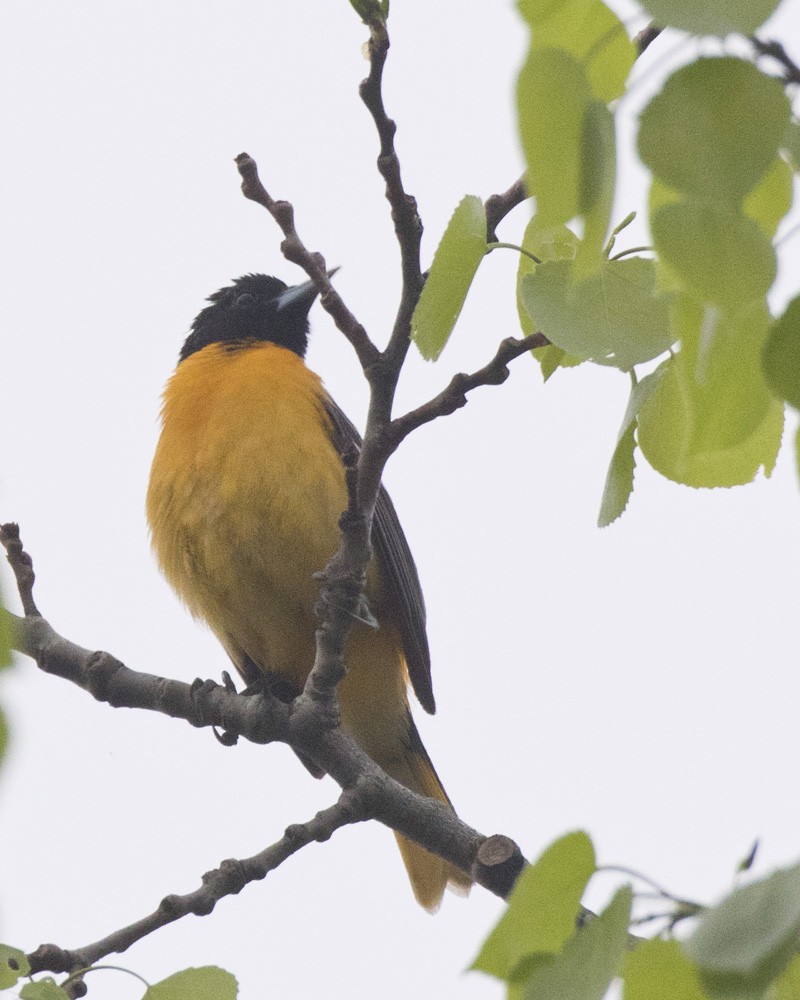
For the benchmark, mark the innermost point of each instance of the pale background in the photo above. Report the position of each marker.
(640, 682)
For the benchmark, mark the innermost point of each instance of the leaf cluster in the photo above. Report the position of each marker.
(688, 318)
(545, 946)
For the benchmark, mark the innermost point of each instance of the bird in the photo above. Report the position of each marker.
(246, 491)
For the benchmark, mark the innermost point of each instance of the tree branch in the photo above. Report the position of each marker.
(310, 724)
(454, 396)
(499, 862)
(314, 716)
(227, 880)
(407, 222)
(368, 792)
(776, 51)
(294, 250)
(646, 37)
(258, 718)
(22, 565)
(498, 206)
(344, 577)
(339, 603)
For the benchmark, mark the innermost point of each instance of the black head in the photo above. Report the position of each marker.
(256, 308)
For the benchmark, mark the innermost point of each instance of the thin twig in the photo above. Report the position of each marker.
(383, 377)
(646, 37)
(454, 396)
(344, 576)
(309, 725)
(295, 251)
(405, 216)
(341, 595)
(498, 206)
(227, 880)
(22, 566)
(660, 891)
(260, 719)
(776, 51)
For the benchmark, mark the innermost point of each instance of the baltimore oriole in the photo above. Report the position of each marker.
(246, 491)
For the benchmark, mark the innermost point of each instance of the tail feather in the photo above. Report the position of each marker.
(430, 875)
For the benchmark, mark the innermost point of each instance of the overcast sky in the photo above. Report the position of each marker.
(640, 682)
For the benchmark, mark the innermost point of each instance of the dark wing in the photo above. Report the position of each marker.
(402, 590)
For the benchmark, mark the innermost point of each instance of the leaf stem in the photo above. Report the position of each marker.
(625, 253)
(512, 246)
(664, 893)
(80, 973)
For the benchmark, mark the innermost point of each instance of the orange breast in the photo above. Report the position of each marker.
(245, 496)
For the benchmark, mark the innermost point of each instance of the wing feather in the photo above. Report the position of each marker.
(402, 590)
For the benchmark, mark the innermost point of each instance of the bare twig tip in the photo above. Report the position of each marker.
(244, 161)
(646, 37)
(22, 565)
(499, 205)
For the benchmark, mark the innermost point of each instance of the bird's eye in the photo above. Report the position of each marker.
(244, 300)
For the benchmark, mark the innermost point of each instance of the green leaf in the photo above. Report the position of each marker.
(723, 17)
(701, 142)
(545, 243)
(711, 421)
(788, 986)
(721, 256)
(659, 969)
(589, 31)
(771, 199)
(598, 175)
(553, 94)
(597, 158)
(43, 989)
(666, 425)
(619, 480)
(791, 144)
(749, 938)
(721, 373)
(455, 262)
(660, 194)
(542, 909)
(781, 356)
(615, 317)
(589, 960)
(206, 983)
(551, 358)
(13, 966)
(549, 242)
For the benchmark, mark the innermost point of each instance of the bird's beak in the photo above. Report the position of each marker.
(299, 298)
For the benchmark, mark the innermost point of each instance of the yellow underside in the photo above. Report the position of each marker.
(245, 496)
